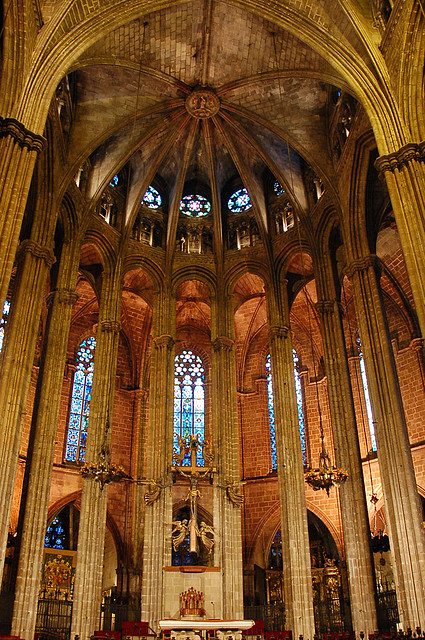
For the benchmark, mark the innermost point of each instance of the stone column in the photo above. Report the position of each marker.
(402, 506)
(297, 580)
(355, 521)
(226, 447)
(91, 535)
(404, 173)
(16, 367)
(19, 148)
(158, 512)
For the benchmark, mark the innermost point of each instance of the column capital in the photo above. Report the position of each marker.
(223, 343)
(110, 326)
(62, 296)
(400, 158)
(164, 340)
(363, 264)
(23, 136)
(278, 331)
(37, 250)
(417, 344)
(326, 307)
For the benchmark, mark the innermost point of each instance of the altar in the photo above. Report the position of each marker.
(202, 628)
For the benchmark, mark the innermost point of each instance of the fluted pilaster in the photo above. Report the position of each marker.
(298, 591)
(402, 505)
(16, 367)
(354, 515)
(91, 535)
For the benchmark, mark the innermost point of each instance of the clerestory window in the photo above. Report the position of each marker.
(189, 402)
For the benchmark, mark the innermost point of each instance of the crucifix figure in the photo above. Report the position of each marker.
(194, 474)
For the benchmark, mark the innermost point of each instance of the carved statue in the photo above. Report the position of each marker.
(206, 533)
(179, 532)
(232, 491)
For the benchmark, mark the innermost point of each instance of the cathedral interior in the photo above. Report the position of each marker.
(212, 228)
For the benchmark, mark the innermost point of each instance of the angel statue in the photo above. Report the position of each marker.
(179, 533)
(206, 533)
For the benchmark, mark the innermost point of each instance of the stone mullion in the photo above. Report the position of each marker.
(19, 149)
(404, 173)
(16, 368)
(41, 464)
(402, 505)
(224, 397)
(158, 516)
(298, 588)
(91, 535)
(355, 522)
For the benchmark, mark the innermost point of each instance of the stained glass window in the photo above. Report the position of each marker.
(239, 201)
(189, 412)
(114, 181)
(55, 535)
(275, 554)
(301, 422)
(366, 393)
(3, 321)
(152, 198)
(278, 189)
(80, 402)
(195, 205)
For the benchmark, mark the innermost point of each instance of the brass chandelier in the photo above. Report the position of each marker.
(103, 471)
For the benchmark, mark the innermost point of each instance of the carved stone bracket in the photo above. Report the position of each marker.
(30, 246)
(362, 264)
(278, 331)
(223, 343)
(400, 158)
(233, 492)
(417, 344)
(110, 326)
(164, 341)
(23, 136)
(62, 296)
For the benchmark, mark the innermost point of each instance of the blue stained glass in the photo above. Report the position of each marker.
(114, 181)
(366, 394)
(55, 535)
(3, 321)
(239, 201)
(195, 206)
(278, 189)
(152, 198)
(189, 401)
(75, 450)
(272, 423)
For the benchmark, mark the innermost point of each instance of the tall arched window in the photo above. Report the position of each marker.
(80, 402)
(366, 392)
(3, 321)
(189, 402)
(300, 406)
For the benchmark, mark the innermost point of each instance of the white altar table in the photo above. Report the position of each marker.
(184, 629)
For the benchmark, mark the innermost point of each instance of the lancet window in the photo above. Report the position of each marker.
(3, 321)
(366, 393)
(80, 402)
(300, 406)
(189, 402)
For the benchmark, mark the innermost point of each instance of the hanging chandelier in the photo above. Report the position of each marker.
(326, 475)
(103, 471)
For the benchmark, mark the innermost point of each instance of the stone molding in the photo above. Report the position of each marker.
(325, 307)
(223, 343)
(363, 264)
(62, 296)
(278, 331)
(110, 326)
(417, 344)
(38, 251)
(23, 136)
(164, 340)
(400, 158)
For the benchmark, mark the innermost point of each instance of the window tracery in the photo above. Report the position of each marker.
(278, 189)
(152, 198)
(284, 218)
(189, 402)
(3, 321)
(55, 534)
(239, 201)
(195, 205)
(80, 402)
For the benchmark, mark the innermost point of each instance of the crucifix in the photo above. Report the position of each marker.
(194, 473)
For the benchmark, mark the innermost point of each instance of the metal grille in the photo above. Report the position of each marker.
(53, 617)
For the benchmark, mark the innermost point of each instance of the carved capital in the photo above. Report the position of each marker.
(164, 341)
(326, 307)
(400, 158)
(363, 264)
(223, 343)
(110, 326)
(278, 331)
(30, 246)
(417, 344)
(62, 296)
(22, 136)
